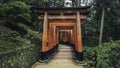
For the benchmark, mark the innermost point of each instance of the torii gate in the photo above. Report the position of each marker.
(58, 21)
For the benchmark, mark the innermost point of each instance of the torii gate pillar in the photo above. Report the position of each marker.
(65, 20)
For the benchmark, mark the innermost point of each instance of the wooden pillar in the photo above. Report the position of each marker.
(65, 36)
(51, 32)
(57, 31)
(75, 36)
(54, 35)
(61, 35)
(69, 38)
(45, 34)
(79, 36)
(71, 31)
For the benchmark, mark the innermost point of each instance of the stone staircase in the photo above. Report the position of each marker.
(62, 59)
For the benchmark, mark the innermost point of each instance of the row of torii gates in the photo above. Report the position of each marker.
(62, 24)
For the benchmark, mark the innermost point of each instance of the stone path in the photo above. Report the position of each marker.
(63, 59)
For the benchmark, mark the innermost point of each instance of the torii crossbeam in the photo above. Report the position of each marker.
(62, 24)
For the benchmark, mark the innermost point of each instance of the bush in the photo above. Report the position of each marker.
(23, 57)
(9, 40)
(34, 36)
(16, 51)
(104, 56)
(19, 42)
(15, 12)
(108, 55)
(90, 56)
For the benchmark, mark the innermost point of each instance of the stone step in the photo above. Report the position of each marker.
(62, 59)
(65, 50)
(64, 47)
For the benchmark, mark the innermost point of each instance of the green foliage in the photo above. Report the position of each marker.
(31, 34)
(34, 36)
(48, 3)
(15, 12)
(10, 40)
(19, 41)
(90, 56)
(10, 1)
(108, 55)
(23, 57)
(91, 30)
(104, 56)
(111, 25)
(18, 52)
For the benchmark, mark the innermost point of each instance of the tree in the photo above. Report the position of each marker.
(110, 12)
(102, 22)
(15, 12)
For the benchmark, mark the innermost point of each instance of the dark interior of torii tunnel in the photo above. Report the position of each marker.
(65, 35)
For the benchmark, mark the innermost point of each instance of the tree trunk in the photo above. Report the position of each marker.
(78, 3)
(1, 2)
(102, 24)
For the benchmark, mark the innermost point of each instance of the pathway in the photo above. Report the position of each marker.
(63, 59)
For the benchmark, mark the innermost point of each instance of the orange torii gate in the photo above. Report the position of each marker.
(62, 24)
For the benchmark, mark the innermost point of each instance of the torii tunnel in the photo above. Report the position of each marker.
(62, 25)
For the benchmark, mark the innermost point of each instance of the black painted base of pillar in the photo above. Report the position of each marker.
(79, 56)
(47, 55)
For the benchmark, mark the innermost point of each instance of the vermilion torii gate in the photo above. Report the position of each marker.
(62, 24)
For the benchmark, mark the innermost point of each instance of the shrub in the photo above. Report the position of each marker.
(90, 56)
(23, 57)
(15, 12)
(9, 40)
(15, 51)
(104, 56)
(108, 55)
